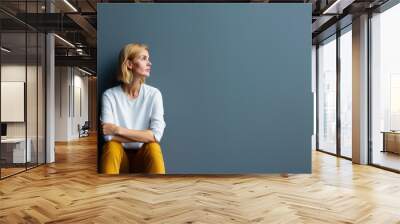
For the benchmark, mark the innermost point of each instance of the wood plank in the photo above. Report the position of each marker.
(70, 191)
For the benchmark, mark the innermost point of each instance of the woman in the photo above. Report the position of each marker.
(133, 118)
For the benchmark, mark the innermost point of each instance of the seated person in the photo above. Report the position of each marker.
(132, 118)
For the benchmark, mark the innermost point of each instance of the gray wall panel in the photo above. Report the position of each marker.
(235, 79)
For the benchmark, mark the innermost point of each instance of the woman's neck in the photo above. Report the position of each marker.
(132, 89)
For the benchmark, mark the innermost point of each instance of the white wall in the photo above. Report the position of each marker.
(62, 81)
(15, 72)
(71, 94)
(80, 105)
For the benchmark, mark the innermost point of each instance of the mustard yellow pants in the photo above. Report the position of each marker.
(148, 159)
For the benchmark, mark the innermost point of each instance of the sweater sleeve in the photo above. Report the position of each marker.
(107, 114)
(157, 123)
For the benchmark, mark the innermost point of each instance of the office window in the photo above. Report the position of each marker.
(346, 92)
(327, 95)
(385, 88)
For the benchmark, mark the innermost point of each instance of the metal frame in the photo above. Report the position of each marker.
(369, 82)
(45, 91)
(385, 168)
(26, 88)
(317, 97)
(338, 98)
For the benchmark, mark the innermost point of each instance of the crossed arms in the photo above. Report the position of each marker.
(125, 135)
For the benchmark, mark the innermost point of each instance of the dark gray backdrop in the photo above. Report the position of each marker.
(235, 80)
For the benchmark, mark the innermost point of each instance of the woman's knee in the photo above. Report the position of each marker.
(152, 148)
(113, 160)
(153, 159)
(112, 148)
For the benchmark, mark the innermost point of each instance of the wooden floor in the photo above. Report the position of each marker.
(10, 171)
(70, 191)
(5, 172)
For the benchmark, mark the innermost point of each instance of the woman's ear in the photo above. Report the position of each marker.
(129, 64)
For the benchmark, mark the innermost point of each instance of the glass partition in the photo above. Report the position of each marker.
(22, 88)
(13, 94)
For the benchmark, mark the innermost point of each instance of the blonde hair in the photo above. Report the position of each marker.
(129, 52)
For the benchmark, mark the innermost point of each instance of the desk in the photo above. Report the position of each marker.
(15, 148)
(391, 141)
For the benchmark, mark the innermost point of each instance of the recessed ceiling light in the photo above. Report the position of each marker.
(337, 7)
(70, 5)
(86, 72)
(64, 40)
(5, 50)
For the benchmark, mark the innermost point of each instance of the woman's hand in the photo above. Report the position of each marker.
(110, 129)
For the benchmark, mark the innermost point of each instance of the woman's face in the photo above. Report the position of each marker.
(141, 65)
